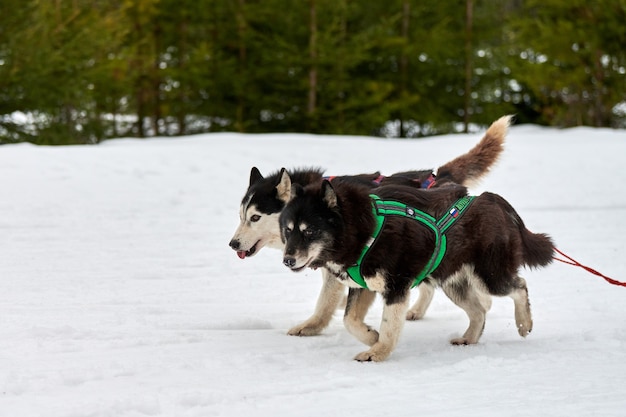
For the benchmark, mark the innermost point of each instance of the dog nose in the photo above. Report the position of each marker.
(289, 262)
(234, 244)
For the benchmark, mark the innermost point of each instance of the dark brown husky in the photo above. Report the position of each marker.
(333, 226)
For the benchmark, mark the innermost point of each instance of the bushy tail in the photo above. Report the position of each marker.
(538, 248)
(470, 167)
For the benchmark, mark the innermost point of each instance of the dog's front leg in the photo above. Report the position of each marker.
(390, 329)
(330, 295)
(359, 302)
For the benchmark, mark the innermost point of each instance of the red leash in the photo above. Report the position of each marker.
(570, 261)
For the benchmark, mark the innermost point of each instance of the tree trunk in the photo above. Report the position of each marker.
(156, 83)
(241, 29)
(404, 61)
(312, 98)
(468, 64)
(182, 94)
(141, 108)
(341, 76)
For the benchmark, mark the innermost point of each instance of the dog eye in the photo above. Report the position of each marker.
(286, 231)
(308, 233)
(255, 218)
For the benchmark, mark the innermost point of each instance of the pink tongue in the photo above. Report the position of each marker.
(241, 254)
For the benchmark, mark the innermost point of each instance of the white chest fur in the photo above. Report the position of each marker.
(375, 283)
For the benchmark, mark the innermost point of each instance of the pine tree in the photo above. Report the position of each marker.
(568, 59)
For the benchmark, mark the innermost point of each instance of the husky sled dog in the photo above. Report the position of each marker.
(382, 242)
(266, 197)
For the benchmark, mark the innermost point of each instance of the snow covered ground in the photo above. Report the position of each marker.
(119, 295)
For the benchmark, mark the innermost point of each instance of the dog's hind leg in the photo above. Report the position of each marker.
(466, 291)
(426, 293)
(523, 317)
(330, 295)
(390, 329)
(359, 302)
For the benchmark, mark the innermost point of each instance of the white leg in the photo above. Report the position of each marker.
(359, 302)
(390, 329)
(466, 292)
(330, 295)
(523, 317)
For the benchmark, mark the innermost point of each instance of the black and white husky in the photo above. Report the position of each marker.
(472, 247)
(266, 197)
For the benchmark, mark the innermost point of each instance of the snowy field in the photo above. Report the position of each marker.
(119, 295)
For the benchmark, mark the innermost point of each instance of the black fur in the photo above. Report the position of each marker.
(262, 190)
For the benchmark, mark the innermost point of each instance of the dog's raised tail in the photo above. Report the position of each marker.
(469, 168)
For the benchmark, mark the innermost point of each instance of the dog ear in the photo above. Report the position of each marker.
(330, 197)
(255, 175)
(283, 189)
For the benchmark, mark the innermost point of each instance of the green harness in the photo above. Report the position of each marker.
(381, 209)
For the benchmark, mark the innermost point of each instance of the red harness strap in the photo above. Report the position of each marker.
(570, 261)
(429, 182)
(378, 180)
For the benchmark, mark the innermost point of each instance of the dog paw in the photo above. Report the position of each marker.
(462, 341)
(368, 357)
(371, 337)
(365, 357)
(524, 328)
(305, 329)
(414, 315)
(377, 353)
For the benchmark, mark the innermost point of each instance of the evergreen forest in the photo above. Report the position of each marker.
(82, 71)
